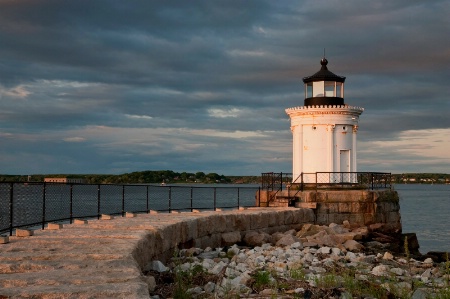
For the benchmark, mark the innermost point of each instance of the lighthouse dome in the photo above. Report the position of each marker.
(324, 87)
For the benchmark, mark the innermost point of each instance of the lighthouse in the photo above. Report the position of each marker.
(324, 130)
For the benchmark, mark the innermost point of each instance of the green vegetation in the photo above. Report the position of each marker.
(171, 177)
(139, 177)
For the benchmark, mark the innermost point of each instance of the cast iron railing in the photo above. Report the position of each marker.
(273, 181)
(34, 204)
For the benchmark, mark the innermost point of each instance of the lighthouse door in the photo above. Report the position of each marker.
(345, 160)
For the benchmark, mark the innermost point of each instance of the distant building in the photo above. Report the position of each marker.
(65, 180)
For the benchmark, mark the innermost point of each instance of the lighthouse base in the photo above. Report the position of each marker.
(358, 207)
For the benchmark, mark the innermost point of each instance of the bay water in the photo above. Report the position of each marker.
(425, 210)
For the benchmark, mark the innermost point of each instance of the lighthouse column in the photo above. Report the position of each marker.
(355, 131)
(330, 150)
(297, 150)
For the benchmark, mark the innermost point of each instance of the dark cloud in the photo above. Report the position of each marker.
(115, 86)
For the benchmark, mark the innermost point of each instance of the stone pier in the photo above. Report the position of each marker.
(104, 258)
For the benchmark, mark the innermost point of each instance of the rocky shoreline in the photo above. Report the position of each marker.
(334, 261)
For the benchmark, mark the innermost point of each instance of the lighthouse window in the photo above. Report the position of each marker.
(339, 90)
(329, 89)
(309, 90)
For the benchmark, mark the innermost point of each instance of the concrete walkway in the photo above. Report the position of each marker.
(104, 258)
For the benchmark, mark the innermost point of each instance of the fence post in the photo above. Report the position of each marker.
(148, 211)
(170, 199)
(71, 203)
(259, 196)
(43, 205)
(316, 182)
(238, 199)
(11, 207)
(123, 200)
(214, 198)
(281, 179)
(98, 201)
(192, 198)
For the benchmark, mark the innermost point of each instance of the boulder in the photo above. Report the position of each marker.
(157, 266)
(308, 230)
(352, 245)
(253, 238)
(287, 240)
(380, 270)
(231, 238)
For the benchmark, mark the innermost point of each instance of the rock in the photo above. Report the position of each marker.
(253, 238)
(376, 227)
(388, 256)
(428, 261)
(195, 290)
(216, 269)
(426, 274)
(420, 294)
(290, 232)
(352, 245)
(209, 254)
(336, 251)
(209, 287)
(297, 245)
(308, 230)
(234, 250)
(324, 250)
(360, 233)
(346, 224)
(267, 292)
(287, 240)
(157, 266)
(380, 270)
(397, 271)
(231, 238)
(374, 244)
(193, 251)
(276, 236)
(151, 282)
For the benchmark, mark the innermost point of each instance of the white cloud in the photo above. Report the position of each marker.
(138, 116)
(224, 113)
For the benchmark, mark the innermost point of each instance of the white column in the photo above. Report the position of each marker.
(353, 165)
(297, 162)
(330, 148)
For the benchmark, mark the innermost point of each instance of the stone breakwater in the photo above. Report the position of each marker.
(105, 258)
(298, 264)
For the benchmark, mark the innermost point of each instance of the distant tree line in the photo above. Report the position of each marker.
(421, 178)
(171, 177)
(138, 177)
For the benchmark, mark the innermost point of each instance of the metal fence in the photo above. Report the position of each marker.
(327, 180)
(36, 204)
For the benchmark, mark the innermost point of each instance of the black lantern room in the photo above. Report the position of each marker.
(324, 87)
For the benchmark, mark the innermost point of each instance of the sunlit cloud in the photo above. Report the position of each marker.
(16, 92)
(74, 139)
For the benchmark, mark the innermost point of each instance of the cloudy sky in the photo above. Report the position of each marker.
(120, 86)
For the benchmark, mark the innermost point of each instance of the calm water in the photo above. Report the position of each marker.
(425, 210)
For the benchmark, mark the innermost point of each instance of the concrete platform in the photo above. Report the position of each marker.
(104, 258)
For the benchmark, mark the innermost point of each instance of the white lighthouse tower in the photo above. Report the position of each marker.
(324, 131)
